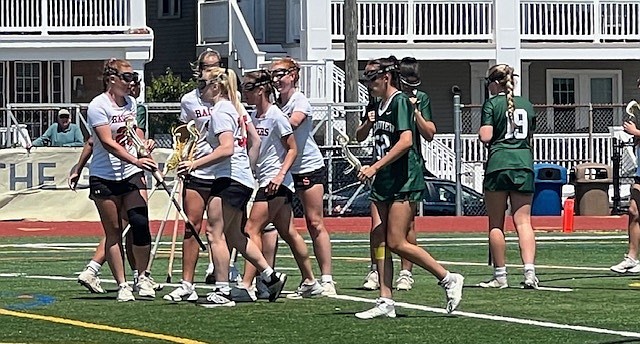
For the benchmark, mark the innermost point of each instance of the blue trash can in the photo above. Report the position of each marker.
(547, 196)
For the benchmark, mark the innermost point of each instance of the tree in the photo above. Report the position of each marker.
(167, 88)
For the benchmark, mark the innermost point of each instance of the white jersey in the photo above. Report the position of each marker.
(194, 108)
(101, 112)
(272, 127)
(309, 157)
(638, 160)
(225, 118)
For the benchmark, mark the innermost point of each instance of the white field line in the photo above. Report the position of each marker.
(530, 322)
(347, 241)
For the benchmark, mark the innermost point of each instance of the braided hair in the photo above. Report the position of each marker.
(503, 75)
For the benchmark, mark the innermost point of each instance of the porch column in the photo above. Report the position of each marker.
(138, 67)
(315, 29)
(507, 15)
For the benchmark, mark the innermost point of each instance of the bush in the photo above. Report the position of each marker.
(167, 88)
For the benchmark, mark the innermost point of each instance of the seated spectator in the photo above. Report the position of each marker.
(63, 133)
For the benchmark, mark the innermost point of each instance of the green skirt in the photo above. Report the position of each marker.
(509, 180)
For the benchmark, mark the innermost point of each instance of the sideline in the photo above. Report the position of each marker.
(89, 325)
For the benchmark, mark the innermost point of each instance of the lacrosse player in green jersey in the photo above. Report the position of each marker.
(508, 122)
(397, 187)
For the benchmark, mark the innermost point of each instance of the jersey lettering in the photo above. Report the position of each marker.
(520, 128)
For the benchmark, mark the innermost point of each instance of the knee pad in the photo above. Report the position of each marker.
(139, 222)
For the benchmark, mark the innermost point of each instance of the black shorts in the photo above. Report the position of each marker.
(283, 191)
(232, 192)
(304, 181)
(100, 188)
(200, 185)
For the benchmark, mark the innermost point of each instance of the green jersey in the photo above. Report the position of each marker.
(424, 104)
(141, 117)
(405, 174)
(510, 147)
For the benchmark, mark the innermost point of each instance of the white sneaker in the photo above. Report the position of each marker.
(496, 282)
(371, 281)
(382, 309)
(530, 280)
(627, 265)
(182, 293)
(307, 291)
(156, 286)
(125, 294)
(145, 287)
(405, 280)
(453, 291)
(217, 299)
(91, 281)
(329, 288)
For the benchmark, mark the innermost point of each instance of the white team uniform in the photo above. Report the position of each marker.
(272, 127)
(102, 111)
(309, 156)
(225, 118)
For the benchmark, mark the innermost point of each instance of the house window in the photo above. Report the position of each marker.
(28, 82)
(169, 9)
(2, 84)
(55, 91)
(570, 93)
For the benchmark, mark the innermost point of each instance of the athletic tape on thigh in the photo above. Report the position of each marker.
(139, 221)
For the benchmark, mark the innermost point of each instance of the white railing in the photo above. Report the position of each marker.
(592, 20)
(418, 20)
(43, 16)
(339, 87)
(241, 40)
(440, 160)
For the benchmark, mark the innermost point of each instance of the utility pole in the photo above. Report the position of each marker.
(350, 20)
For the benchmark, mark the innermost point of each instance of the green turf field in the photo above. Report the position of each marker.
(599, 307)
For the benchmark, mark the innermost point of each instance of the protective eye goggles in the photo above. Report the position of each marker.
(203, 65)
(129, 77)
(202, 83)
(372, 75)
(411, 81)
(250, 86)
(281, 72)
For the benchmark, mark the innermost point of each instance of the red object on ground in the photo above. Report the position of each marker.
(568, 215)
(426, 224)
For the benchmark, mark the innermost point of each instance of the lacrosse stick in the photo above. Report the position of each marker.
(355, 163)
(633, 110)
(142, 151)
(172, 254)
(156, 244)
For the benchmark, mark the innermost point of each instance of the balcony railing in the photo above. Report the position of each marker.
(473, 20)
(44, 16)
(418, 20)
(591, 20)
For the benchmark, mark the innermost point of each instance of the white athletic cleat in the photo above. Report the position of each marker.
(329, 288)
(383, 308)
(496, 282)
(307, 291)
(91, 281)
(125, 294)
(453, 291)
(628, 264)
(530, 280)
(145, 287)
(371, 281)
(405, 280)
(182, 293)
(217, 298)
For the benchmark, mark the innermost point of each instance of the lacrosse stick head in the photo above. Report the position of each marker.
(633, 111)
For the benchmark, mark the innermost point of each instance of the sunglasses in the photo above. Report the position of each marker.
(372, 75)
(202, 83)
(209, 65)
(128, 76)
(250, 86)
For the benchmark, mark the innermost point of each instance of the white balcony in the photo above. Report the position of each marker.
(409, 21)
(42, 17)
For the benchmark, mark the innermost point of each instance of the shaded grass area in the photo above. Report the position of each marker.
(600, 299)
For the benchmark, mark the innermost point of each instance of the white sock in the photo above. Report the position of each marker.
(374, 267)
(135, 274)
(405, 272)
(387, 300)
(94, 266)
(530, 267)
(223, 287)
(500, 271)
(326, 278)
(188, 285)
(266, 274)
(210, 268)
(123, 285)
